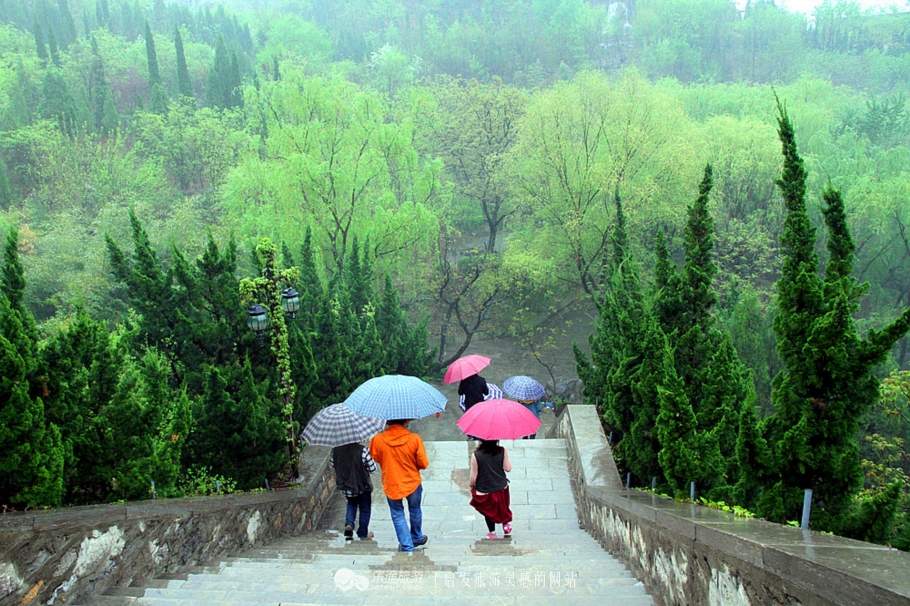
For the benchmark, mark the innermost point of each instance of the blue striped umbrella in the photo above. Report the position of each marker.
(396, 397)
(522, 387)
(337, 425)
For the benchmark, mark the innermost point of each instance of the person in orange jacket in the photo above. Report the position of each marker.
(401, 456)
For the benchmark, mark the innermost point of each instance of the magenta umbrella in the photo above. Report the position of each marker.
(465, 367)
(498, 420)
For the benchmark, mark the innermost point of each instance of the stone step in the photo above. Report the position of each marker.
(548, 560)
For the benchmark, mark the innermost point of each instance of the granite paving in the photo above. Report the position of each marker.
(547, 560)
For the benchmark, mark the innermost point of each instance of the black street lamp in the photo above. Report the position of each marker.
(257, 320)
(290, 301)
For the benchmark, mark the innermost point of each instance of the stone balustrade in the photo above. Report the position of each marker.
(50, 557)
(693, 555)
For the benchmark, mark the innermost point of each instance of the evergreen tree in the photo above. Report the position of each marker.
(235, 93)
(715, 381)
(826, 386)
(143, 416)
(149, 285)
(52, 44)
(57, 102)
(102, 13)
(81, 368)
(104, 112)
(238, 432)
(68, 33)
(151, 56)
(184, 84)
(686, 454)
(640, 447)
(667, 290)
(31, 460)
(312, 291)
(39, 43)
(753, 457)
(6, 190)
(217, 86)
(616, 347)
(358, 278)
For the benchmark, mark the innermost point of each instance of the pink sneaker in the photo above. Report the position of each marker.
(506, 529)
(492, 535)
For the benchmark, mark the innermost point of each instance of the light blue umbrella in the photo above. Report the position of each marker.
(337, 425)
(396, 397)
(522, 387)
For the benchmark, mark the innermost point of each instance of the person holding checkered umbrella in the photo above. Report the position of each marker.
(400, 453)
(341, 428)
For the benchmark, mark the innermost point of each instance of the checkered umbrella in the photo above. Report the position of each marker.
(522, 387)
(337, 425)
(396, 397)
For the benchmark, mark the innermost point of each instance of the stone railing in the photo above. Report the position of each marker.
(50, 557)
(694, 555)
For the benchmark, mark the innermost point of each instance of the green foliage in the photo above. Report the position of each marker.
(31, 462)
(184, 84)
(238, 432)
(827, 385)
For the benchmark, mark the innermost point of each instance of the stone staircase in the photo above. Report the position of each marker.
(548, 560)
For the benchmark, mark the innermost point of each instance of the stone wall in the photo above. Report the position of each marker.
(692, 555)
(50, 557)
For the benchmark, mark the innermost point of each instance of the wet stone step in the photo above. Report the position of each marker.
(548, 560)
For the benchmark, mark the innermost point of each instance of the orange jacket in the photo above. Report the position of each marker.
(401, 456)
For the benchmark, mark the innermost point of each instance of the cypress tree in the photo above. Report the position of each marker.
(642, 444)
(184, 84)
(151, 56)
(39, 43)
(235, 93)
(150, 286)
(52, 44)
(312, 291)
(667, 291)
(100, 93)
(81, 367)
(276, 73)
(86, 23)
(57, 102)
(686, 454)
(31, 460)
(715, 381)
(217, 91)
(68, 33)
(6, 191)
(826, 386)
(754, 458)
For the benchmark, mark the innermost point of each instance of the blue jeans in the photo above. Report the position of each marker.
(406, 536)
(363, 502)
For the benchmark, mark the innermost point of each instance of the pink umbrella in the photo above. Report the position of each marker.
(498, 420)
(465, 367)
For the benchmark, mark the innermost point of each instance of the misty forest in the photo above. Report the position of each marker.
(706, 204)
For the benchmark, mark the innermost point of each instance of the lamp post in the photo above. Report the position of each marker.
(276, 302)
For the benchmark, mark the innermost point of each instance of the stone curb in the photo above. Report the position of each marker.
(54, 556)
(690, 554)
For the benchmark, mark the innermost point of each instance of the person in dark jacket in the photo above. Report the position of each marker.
(490, 486)
(353, 466)
(473, 388)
